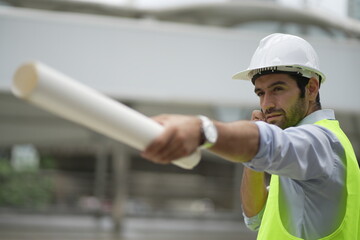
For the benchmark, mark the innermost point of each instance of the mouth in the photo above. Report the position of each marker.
(272, 117)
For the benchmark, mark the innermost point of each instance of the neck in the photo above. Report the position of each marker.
(313, 107)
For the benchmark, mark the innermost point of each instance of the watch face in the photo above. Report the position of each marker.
(211, 133)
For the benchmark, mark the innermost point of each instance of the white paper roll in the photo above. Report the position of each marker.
(65, 97)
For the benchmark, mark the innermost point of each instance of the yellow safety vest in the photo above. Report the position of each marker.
(271, 225)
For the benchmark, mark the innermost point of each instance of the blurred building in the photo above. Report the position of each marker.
(175, 59)
(354, 8)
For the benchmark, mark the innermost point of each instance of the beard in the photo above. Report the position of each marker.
(289, 118)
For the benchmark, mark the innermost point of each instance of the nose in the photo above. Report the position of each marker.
(267, 102)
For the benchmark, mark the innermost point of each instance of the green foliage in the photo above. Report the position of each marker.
(48, 163)
(28, 188)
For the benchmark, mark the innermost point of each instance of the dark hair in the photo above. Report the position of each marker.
(301, 82)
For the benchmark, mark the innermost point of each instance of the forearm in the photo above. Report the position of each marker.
(237, 141)
(253, 192)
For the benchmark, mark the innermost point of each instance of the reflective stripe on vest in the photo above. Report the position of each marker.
(271, 226)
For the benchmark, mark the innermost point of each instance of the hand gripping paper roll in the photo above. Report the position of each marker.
(72, 100)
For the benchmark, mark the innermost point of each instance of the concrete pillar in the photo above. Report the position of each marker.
(120, 163)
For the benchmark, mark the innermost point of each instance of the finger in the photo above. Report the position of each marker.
(257, 115)
(167, 153)
(176, 149)
(160, 118)
(173, 155)
(156, 148)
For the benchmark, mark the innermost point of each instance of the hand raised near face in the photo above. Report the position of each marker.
(257, 115)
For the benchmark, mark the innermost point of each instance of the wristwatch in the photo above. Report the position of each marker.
(208, 133)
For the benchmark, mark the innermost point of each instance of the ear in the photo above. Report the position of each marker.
(312, 88)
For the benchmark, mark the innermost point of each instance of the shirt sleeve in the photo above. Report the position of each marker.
(301, 153)
(253, 223)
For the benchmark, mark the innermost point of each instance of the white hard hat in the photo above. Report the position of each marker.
(283, 53)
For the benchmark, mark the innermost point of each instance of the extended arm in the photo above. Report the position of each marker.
(237, 141)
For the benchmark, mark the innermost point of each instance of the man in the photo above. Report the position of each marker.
(315, 182)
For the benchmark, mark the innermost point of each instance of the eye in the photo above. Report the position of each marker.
(276, 89)
(260, 93)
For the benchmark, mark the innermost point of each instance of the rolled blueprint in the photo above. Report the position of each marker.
(72, 100)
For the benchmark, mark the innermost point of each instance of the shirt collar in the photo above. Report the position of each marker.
(317, 116)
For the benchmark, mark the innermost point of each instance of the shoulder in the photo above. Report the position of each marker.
(303, 138)
(313, 131)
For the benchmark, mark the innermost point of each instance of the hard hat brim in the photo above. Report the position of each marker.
(243, 75)
(247, 75)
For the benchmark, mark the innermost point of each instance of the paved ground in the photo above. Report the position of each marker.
(40, 227)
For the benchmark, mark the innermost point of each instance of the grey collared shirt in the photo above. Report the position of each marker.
(308, 159)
